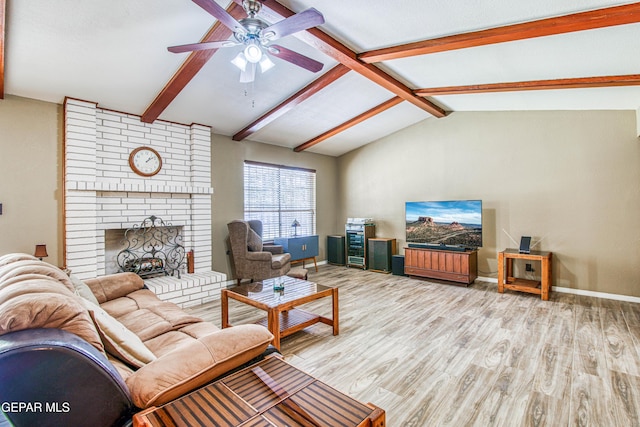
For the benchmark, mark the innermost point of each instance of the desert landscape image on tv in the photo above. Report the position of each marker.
(451, 223)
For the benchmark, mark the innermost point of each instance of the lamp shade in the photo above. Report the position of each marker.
(41, 251)
(295, 223)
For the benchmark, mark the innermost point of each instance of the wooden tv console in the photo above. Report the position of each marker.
(461, 267)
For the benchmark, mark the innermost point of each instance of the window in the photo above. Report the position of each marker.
(278, 196)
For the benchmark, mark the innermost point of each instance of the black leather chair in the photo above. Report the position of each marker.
(50, 377)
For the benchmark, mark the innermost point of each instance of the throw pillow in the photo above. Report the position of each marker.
(82, 289)
(119, 341)
(254, 242)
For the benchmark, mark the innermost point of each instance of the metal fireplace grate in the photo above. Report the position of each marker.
(152, 248)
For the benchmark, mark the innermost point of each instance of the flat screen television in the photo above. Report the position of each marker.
(451, 224)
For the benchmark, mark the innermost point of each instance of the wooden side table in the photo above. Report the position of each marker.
(507, 281)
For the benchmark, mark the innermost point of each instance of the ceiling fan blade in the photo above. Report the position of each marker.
(221, 15)
(301, 21)
(201, 46)
(295, 58)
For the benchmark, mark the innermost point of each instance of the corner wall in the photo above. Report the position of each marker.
(568, 178)
(227, 164)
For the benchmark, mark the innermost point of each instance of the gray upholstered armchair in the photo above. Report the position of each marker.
(252, 260)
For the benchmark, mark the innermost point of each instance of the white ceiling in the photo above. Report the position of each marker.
(114, 53)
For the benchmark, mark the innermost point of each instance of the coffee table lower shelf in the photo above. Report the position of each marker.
(294, 320)
(271, 393)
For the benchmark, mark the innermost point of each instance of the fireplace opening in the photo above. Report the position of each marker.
(149, 249)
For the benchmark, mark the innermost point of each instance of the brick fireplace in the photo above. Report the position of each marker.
(103, 193)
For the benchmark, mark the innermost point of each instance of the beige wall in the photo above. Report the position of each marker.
(568, 178)
(31, 181)
(30, 176)
(228, 158)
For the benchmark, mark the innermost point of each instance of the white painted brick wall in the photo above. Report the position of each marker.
(102, 192)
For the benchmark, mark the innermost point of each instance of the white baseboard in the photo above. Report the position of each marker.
(582, 292)
(595, 294)
(487, 279)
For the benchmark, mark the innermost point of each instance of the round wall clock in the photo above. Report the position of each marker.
(145, 161)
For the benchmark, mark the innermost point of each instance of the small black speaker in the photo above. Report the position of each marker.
(335, 250)
(397, 265)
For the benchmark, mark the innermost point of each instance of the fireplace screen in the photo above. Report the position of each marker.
(152, 248)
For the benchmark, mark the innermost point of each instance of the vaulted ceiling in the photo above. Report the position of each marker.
(387, 64)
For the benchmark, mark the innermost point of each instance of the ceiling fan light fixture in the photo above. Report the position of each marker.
(266, 64)
(252, 52)
(240, 61)
(248, 75)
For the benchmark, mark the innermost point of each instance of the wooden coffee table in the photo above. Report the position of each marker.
(282, 318)
(269, 393)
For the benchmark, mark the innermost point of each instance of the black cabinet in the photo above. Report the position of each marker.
(335, 250)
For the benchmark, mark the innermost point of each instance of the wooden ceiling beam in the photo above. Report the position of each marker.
(607, 17)
(341, 53)
(190, 67)
(311, 89)
(3, 20)
(573, 83)
(350, 123)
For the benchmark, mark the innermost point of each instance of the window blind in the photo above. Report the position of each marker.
(278, 195)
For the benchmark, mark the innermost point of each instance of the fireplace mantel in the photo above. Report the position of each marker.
(138, 188)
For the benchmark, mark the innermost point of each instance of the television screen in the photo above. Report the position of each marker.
(445, 223)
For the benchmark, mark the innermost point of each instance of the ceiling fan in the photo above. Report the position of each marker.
(257, 35)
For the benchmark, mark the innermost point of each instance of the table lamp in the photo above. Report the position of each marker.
(41, 252)
(295, 226)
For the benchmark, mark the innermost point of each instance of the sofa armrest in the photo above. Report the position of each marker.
(195, 364)
(274, 249)
(112, 286)
(65, 376)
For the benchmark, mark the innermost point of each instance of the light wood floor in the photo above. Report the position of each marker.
(432, 354)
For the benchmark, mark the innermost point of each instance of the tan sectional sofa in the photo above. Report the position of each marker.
(153, 351)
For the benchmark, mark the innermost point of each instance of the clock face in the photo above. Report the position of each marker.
(145, 161)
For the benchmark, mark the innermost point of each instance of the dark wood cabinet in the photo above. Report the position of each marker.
(461, 267)
(380, 252)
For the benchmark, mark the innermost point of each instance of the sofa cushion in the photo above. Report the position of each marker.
(146, 315)
(113, 286)
(31, 284)
(48, 310)
(9, 258)
(168, 341)
(190, 366)
(32, 276)
(118, 340)
(197, 330)
(145, 323)
(18, 268)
